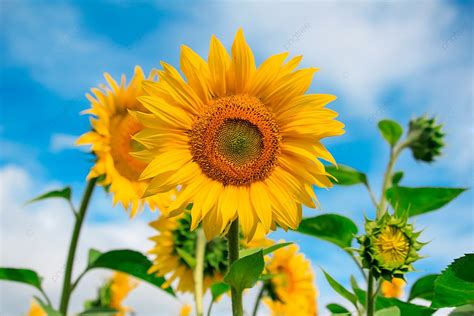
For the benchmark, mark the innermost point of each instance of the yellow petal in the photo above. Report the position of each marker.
(242, 65)
(219, 63)
(197, 72)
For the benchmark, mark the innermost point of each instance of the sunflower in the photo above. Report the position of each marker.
(241, 142)
(393, 288)
(185, 310)
(175, 248)
(111, 140)
(390, 246)
(36, 310)
(120, 287)
(112, 293)
(291, 290)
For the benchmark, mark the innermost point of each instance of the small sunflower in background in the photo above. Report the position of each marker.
(393, 288)
(113, 292)
(112, 142)
(242, 142)
(36, 310)
(185, 310)
(291, 291)
(175, 250)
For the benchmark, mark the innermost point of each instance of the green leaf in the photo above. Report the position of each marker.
(334, 228)
(217, 289)
(455, 285)
(423, 288)
(354, 284)
(337, 309)
(188, 258)
(391, 131)
(397, 177)
(99, 311)
(421, 200)
(21, 275)
(390, 311)
(48, 309)
(266, 251)
(127, 261)
(62, 194)
(244, 273)
(336, 286)
(346, 175)
(275, 247)
(466, 310)
(405, 308)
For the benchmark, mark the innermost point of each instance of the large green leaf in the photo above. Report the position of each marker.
(455, 285)
(127, 261)
(21, 275)
(244, 272)
(405, 308)
(64, 193)
(421, 200)
(337, 309)
(391, 131)
(346, 175)
(423, 287)
(336, 286)
(334, 228)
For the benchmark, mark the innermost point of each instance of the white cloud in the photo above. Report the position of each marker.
(60, 142)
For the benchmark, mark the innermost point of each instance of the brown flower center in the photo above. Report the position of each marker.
(236, 141)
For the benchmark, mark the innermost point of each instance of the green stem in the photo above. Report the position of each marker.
(370, 296)
(66, 292)
(198, 272)
(257, 301)
(233, 243)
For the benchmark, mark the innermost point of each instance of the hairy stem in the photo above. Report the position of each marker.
(233, 243)
(198, 272)
(67, 286)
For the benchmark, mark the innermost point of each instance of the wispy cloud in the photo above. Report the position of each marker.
(60, 142)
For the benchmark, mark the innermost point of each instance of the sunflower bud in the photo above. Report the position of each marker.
(389, 246)
(426, 139)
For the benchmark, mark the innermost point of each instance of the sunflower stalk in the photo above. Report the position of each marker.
(233, 244)
(198, 272)
(370, 295)
(387, 178)
(79, 219)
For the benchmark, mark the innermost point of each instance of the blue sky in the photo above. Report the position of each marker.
(382, 60)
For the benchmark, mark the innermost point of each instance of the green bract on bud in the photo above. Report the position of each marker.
(425, 138)
(389, 246)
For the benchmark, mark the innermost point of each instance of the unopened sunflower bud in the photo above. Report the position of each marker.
(426, 139)
(389, 246)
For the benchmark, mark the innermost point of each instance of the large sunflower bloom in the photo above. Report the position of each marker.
(292, 288)
(242, 142)
(111, 140)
